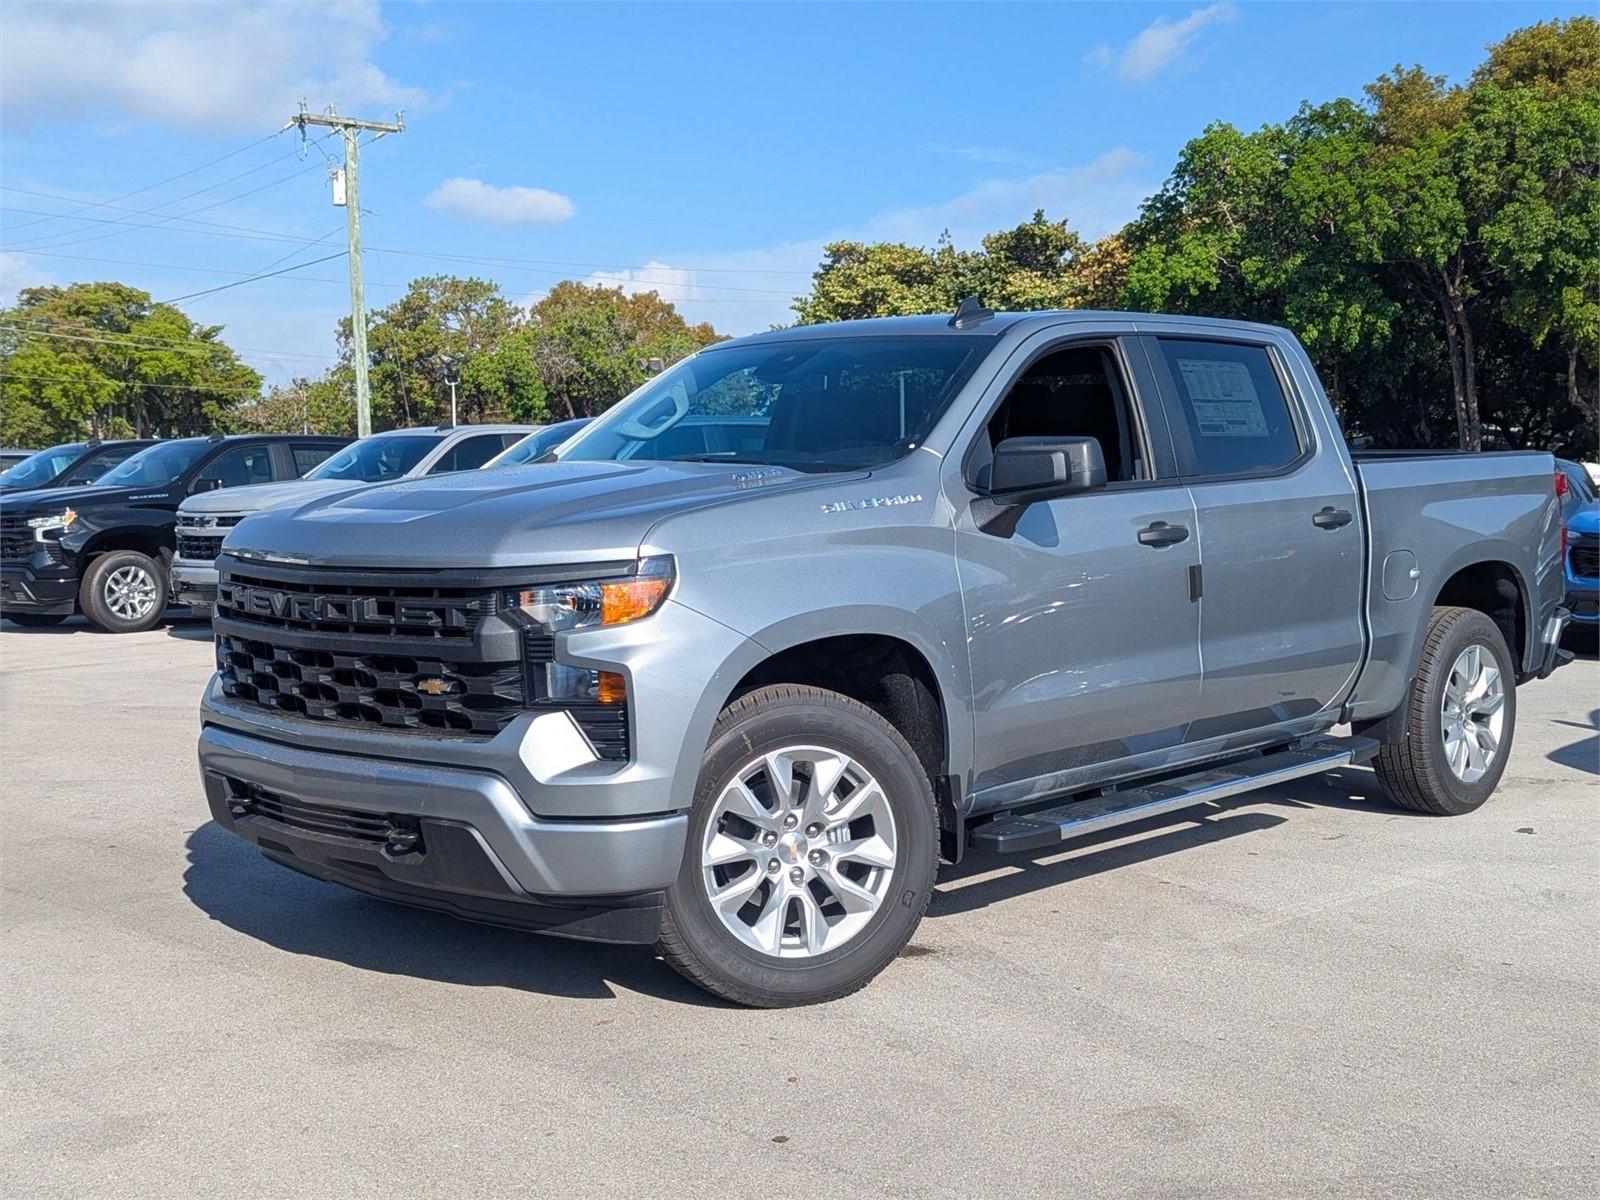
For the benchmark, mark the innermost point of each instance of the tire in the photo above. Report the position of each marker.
(1417, 771)
(35, 620)
(858, 790)
(124, 592)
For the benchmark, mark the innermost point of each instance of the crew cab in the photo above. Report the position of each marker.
(105, 548)
(71, 464)
(204, 519)
(989, 580)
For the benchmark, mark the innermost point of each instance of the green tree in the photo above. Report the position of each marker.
(588, 344)
(102, 358)
(322, 405)
(432, 334)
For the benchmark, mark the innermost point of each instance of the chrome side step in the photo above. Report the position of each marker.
(1039, 830)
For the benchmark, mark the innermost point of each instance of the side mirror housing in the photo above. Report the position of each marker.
(1027, 470)
(204, 485)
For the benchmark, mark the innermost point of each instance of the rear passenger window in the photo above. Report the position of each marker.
(1233, 416)
(306, 457)
(468, 454)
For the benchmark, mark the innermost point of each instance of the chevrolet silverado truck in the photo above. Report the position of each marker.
(71, 464)
(205, 518)
(104, 549)
(993, 581)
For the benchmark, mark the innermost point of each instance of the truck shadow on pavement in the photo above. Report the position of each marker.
(1583, 754)
(231, 882)
(1354, 790)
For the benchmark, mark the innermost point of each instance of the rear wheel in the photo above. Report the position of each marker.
(1460, 718)
(811, 852)
(124, 592)
(34, 620)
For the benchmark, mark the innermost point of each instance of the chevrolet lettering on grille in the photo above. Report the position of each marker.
(363, 610)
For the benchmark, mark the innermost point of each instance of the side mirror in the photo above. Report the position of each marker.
(204, 485)
(1027, 470)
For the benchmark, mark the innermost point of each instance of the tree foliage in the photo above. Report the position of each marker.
(102, 358)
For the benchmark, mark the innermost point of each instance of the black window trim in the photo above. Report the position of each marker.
(1159, 454)
(1294, 402)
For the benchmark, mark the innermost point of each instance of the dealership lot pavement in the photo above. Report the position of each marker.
(1300, 993)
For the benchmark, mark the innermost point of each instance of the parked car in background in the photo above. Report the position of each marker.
(10, 458)
(71, 464)
(105, 548)
(538, 443)
(1580, 508)
(814, 607)
(204, 520)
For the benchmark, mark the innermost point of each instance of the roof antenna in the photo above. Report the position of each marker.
(970, 313)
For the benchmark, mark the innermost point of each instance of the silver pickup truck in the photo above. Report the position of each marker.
(909, 586)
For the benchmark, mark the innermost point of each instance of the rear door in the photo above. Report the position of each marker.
(1280, 534)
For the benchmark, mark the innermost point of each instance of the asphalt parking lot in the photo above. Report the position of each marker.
(1301, 993)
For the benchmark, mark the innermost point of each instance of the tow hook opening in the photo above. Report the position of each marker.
(402, 838)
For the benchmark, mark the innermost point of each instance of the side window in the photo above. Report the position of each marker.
(306, 457)
(97, 465)
(468, 454)
(238, 467)
(1076, 392)
(1231, 416)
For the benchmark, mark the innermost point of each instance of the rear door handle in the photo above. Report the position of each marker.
(1159, 533)
(1331, 518)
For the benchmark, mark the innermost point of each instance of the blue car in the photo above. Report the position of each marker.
(1581, 510)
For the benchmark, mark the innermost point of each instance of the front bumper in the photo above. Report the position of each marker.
(194, 584)
(26, 588)
(478, 852)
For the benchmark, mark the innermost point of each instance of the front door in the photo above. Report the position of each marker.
(1083, 638)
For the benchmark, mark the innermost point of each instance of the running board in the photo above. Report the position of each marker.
(1013, 834)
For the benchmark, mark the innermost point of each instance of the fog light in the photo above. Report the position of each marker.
(611, 688)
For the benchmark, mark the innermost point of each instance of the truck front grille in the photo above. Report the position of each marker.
(388, 691)
(16, 539)
(1585, 557)
(201, 541)
(368, 610)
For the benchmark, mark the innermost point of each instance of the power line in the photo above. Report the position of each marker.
(222, 287)
(128, 383)
(150, 187)
(185, 345)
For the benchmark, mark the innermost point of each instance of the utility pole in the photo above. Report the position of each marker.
(452, 381)
(352, 128)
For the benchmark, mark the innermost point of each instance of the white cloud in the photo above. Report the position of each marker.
(673, 284)
(500, 205)
(18, 271)
(1160, 43)
(223, 66)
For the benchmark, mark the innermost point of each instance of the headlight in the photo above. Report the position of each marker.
(565, 606)
(61, 520)
(590, 605)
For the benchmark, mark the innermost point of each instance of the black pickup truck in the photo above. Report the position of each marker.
(105, 549)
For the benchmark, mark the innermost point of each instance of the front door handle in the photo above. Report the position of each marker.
(1331, 518)
(1159, 533)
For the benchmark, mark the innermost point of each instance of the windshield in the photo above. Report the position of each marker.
(160, 464)
(386, 456)
(539, 443)
(829, 404)
(42, 467)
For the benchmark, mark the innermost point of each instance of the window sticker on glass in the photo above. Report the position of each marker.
(1224, 398)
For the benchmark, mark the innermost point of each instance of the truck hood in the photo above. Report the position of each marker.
(266, 495)
(49, 500)
(571, 512)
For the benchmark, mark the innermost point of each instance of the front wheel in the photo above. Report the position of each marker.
(811, 853)
(124, 592)
(1460, 716)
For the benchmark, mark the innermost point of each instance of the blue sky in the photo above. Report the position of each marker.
(708, 151)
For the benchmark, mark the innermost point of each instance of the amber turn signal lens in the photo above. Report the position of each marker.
(611, 688)
(630, 599)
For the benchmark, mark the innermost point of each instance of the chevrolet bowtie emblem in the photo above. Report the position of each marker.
(436, 687)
